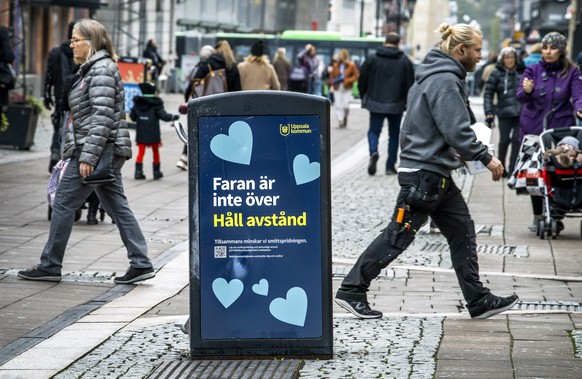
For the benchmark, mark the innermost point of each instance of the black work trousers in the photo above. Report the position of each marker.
(452, 217)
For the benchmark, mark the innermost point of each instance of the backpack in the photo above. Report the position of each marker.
(298, 73)
(214, 82)
(297, 80)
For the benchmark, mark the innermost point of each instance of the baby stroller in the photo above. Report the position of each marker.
(562, 186)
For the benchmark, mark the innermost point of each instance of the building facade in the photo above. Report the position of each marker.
(428, 15)
(243, 16)
(40, 25)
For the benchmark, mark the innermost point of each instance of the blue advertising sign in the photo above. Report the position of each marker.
(260, 234)
(130, 91)
(260, 239)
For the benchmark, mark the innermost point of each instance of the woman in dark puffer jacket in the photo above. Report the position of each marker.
(502, 85)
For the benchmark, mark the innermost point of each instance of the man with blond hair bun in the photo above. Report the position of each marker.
(436, 137)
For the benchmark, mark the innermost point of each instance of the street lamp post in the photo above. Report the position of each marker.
(362, 18)
(398, 15)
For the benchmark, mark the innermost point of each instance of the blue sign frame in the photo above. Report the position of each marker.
(260, 225)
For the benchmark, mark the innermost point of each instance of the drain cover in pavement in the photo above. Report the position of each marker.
(548, 306)
(518, 251)
(275, 369)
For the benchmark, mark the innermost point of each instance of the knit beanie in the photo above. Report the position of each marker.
(147, 89)
(569, 140)
(258, 49)
(555, 39)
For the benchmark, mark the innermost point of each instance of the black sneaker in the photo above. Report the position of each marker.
(493, 305)
(372, 165)
(135, 275)
(40, 275)
(360, 309)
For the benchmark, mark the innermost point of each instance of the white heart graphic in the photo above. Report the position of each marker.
(261, 288)
(227, 292)
(237, 146)
(291, 310)
(304, 171)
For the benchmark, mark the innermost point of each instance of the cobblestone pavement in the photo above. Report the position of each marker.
(426, 331)
(132, 353)
(400, 347)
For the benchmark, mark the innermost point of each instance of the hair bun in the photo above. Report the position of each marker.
(445, 30)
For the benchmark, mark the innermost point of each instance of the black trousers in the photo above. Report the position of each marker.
(56, 141)
(452, 217)
(508, 136)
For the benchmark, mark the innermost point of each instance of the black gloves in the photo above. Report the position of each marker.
(176, 117)
(490, 121)
(48, 102)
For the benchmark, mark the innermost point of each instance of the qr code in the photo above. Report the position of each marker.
(219, 251)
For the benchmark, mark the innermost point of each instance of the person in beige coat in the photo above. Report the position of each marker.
(256, 73)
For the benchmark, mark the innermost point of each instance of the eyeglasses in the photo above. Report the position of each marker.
(75, 40)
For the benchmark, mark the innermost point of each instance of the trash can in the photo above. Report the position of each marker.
(260, 225)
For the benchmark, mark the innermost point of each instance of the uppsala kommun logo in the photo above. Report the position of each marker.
(285, 130)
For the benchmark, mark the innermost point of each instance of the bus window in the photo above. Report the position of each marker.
(328, 44)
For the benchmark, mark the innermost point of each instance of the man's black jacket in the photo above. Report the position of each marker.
(385, 79)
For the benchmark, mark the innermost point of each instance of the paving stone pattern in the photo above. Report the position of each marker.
(131, 353)
(398, 345)
(401, 347)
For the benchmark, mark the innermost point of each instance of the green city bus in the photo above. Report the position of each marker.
(328, 44)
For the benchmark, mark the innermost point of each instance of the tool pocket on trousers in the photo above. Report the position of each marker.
(427, 192)
(401, 236)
